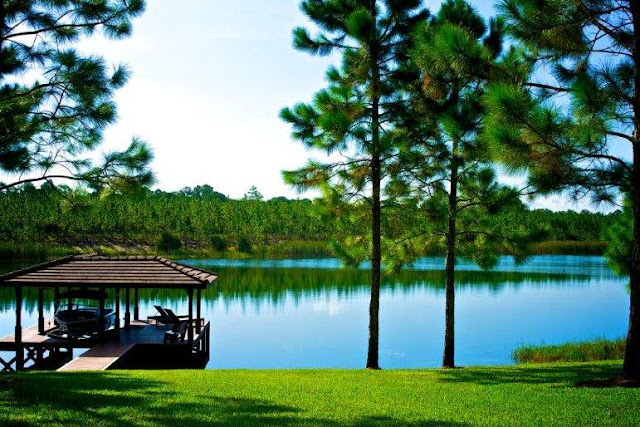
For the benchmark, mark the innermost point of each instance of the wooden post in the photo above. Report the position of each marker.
(207, 343)
(101, 315)
(40, 311)
(127, 303)
(117, 296)
(198, 310)
(18, 330)
(136, 311)
(56, 303)
(190, 330)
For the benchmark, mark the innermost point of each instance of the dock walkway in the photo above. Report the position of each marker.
(98, 356)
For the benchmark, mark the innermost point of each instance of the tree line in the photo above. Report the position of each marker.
(209, 219)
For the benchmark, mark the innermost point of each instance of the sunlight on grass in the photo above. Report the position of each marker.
(531, 395)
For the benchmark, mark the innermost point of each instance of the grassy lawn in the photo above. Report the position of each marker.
(520, 395)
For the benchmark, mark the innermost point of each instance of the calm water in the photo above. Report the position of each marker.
(312, 313)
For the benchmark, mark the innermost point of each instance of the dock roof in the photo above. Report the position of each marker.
(93, 270)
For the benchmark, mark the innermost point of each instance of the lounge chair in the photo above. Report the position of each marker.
(163, 318)
(177, 333)
(174, 318)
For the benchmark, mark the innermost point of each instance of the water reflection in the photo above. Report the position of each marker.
(311, 313)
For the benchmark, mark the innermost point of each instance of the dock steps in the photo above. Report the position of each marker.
(99, 358)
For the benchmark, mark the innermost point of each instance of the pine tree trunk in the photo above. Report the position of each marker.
(374, 304)
(3, 27)
(631, 367)
(376, 253)
(448, 357)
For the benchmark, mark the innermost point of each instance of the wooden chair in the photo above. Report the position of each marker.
(174, 318)
(163, 318)
(177, 333)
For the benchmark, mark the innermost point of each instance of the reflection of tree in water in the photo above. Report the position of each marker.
(258, 285)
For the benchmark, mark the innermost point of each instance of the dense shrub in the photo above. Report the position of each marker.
(168, 242)
(219, 242)
(244, 245)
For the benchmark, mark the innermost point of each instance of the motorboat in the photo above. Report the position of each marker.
(83, 322)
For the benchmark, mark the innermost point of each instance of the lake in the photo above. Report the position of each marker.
(312, 313)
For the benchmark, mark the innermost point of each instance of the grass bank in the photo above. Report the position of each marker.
(589, 351)
(519, 395)
(275, 250)
(568, 247)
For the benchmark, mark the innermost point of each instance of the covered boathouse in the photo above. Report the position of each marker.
(121, 339)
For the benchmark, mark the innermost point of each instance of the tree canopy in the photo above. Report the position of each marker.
(55, 102)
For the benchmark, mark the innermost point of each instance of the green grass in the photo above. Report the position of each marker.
(520, 395)
(590, 351)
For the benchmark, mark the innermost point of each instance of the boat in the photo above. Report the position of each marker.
(82, 322)
(76, 321)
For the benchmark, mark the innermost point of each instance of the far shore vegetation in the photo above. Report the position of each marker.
(40, 223)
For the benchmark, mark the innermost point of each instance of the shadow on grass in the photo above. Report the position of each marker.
(122, 400)
(533, 374)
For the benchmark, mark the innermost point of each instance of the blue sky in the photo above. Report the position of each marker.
(209, 78)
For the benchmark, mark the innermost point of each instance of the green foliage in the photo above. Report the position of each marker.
(445, 171)
(244, 244)
(619, 235)
(355, 114)
(61, 217)
(219, 242)
(253, 194)
(560, 100)
(590, 351)
(50, 123)
(168, 242)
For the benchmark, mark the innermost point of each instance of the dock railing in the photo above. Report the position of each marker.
(201, 345)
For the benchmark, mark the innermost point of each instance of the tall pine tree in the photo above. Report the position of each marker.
(565, 107)
(354, 116)
(444, 175)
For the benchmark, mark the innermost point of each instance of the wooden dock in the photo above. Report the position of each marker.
(42, 350)
(99, 358)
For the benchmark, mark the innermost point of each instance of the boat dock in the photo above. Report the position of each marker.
(44, 352)
(121, 342)
(113, 353)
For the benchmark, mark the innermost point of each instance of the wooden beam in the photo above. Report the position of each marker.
(56, 303)
(101, 318)
(117, 297)
(190, 330)
(127, 303)
(18, 331)
(136, 309)
(198, 310)
(40, 311)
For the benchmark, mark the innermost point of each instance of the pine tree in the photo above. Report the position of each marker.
(353, 115)
(565, 105)
(444, 174)
(48, 122)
